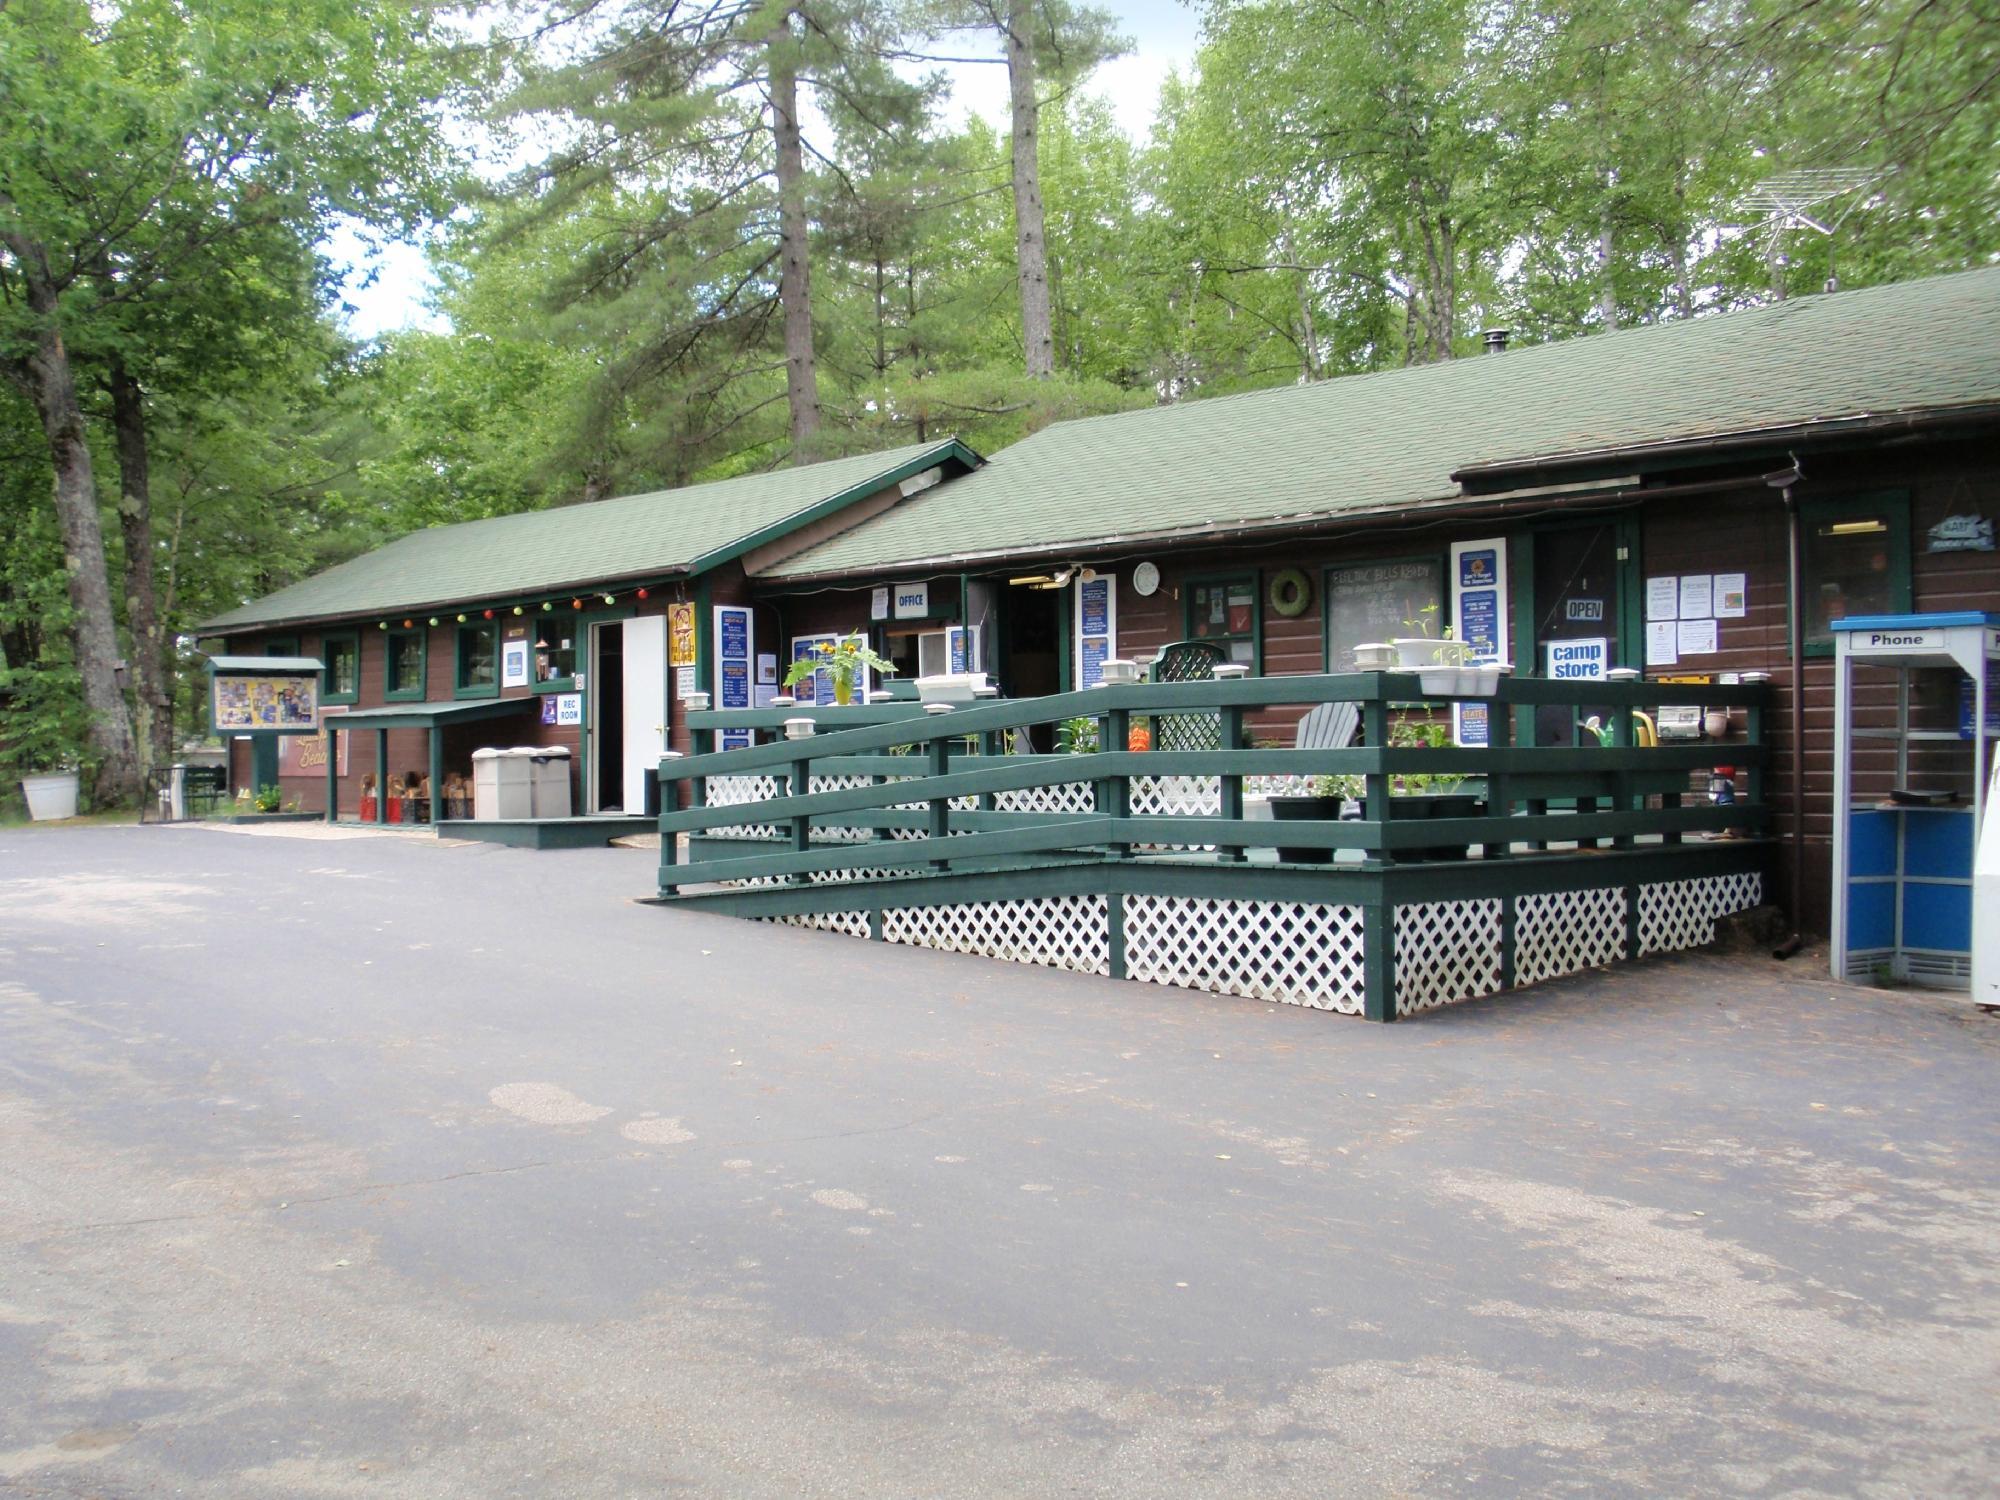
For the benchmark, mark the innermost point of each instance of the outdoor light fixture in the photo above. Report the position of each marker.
(642, 593)
(1056, 580)
(548, 604)
(607, 598)
(434, 619)
(489, 613)
(517, 609)
(576, 604)
(381, 624)
(409, 624)
(461, 619)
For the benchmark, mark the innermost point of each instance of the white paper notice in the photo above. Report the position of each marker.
(1661, 648)
(1663, 598)
(1697, 596)
(1732, 596)
(1697, 638)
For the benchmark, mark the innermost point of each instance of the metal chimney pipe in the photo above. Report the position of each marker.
(1496, 339)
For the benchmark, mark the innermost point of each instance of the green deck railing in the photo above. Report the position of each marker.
(880, 793)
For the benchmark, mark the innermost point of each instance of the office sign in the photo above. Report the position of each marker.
(912, 601)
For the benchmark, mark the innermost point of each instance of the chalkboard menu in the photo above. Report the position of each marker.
(1373, 601)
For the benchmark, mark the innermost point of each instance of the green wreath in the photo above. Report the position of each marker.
(1290, 592)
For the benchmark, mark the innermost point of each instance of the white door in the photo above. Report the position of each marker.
(645, 704)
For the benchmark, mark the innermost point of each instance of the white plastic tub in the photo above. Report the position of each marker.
(51, 798)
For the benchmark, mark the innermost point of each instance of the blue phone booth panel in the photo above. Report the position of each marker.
(1938, 843)
(1871, 916)
(1938, 917)
(1871, 842)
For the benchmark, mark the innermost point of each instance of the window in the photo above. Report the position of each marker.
(477, 673)
(1224, 610)
(1857, 562)
(340, 657)
(403, 665)
(282, 645)
(555, 654)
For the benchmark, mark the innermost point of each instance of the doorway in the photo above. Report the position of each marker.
(1031, 650)
(1577, 599)
(607, 717)
(628, 713)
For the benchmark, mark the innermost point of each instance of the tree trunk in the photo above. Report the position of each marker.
(1030, 236)
(151, 709)
(1607, 291)
(47, 379)
(795, 268)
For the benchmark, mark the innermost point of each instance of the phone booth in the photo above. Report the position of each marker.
(1914, 728)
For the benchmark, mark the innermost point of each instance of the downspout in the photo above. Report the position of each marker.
(1795, 571)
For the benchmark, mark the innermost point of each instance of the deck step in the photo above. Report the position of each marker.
(547, 833)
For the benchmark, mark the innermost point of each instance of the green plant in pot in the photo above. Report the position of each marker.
(845, 661)
(1325, 803)
(1429, 794)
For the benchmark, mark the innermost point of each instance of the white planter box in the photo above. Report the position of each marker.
(51, 798)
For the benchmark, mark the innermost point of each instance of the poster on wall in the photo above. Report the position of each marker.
(1478, 575)
(514, 662)
(735, 645)
(242, 703)
(680, 635)
(960, 658)
(305, 754)
(1096, 626)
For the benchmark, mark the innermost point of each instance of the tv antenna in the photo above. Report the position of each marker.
(1810, 198)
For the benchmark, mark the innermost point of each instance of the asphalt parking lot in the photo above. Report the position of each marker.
(377, 1167)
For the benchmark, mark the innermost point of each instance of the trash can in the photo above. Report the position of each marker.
(501, 785)
(549, 775)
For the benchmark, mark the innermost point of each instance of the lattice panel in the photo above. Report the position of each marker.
(1677, 914)
(1063, 797)
(1278, 786)
(1176, 796)
(1061, 932)
(1565, 931)
(737, 791)
(852, 923)
(1446, 951)
(1298, 953)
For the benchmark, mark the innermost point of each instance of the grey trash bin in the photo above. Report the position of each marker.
(549, 774)
(501, 785)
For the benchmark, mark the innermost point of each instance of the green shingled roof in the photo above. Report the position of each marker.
(548, 551)
(1392, 440)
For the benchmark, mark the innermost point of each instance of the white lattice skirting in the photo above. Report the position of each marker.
(1303, 953)
(1296, 952)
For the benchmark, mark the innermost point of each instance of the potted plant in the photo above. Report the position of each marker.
(844, 661)
(1325, 803)
(45, 727)
(1430, 794)
(1437, 658)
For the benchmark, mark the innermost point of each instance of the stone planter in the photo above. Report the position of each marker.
(51, 798)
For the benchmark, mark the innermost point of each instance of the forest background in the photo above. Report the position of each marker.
(675, 240)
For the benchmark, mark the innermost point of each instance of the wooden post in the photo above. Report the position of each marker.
(1375, 798)
(1499, 789)
(381, 776)
(1232, 782)
(940, 807)
(1114, 934)
(1378, 948)
(801, 822)
(1113, 794)
(1622, 740)
(437, 773)
(332, 772)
